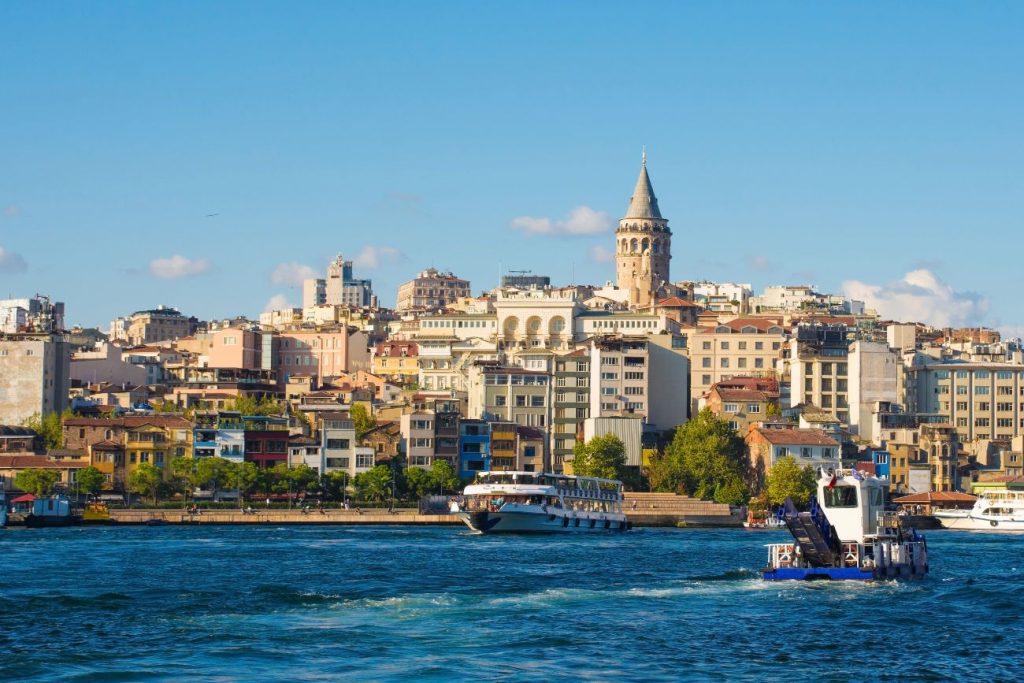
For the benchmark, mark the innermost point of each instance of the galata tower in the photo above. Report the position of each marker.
(642, 245)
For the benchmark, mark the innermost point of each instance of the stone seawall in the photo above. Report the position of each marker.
(374, 516)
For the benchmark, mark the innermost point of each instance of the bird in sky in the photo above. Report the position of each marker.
(211, 215)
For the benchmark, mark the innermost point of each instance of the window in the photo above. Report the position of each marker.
(337, 444)
(633, 375)
(981, 422)
(422, 443)
(341, 463)
(981, 391)
(759, 362)
(520, 401)
(758, 346)
(607, 391)
(984, 405)
(706, 346)
(805, 452)
(725, 346)
(705, 379)
(731, 408)
(705, 362)
(609, 375)
(364, 460)
(841, 497)
(536, 401)
(962, 405)
(499, 400)
(609, 360)
(723, 362)
(961, 390)
(742, 346)
(634, 391)
(753, 407)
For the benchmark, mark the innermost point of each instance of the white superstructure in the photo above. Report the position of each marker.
(1000, 510)
(499, 502)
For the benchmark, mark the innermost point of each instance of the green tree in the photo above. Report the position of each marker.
(335, 484)
(90, 480)
(443, 478)
(787, 479)
(247, 477)
(362, 420)
(215, 473)
(36, 481)
(303, 478)
(374, 485)
(602, 456)
(247, 405)
(707, 459)
(417, 482)
(147, 480)
(49, 427)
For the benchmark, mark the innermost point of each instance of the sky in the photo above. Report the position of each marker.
(208, 155)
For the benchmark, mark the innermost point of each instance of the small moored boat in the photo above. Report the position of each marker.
(846, 535)
(52, 511)
(998, 510)
(501, 502)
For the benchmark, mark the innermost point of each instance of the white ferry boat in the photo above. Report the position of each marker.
(847, 535)
(999, 510)
(522, 502)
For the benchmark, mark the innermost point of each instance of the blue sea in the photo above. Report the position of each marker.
(438, 603)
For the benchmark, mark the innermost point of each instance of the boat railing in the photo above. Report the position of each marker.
(782, 555)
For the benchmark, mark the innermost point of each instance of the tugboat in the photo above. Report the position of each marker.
(846, 536)
(528, 502)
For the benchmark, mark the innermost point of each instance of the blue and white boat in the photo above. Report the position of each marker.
(528, 502)
(846, 535)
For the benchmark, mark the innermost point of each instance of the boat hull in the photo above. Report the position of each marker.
(42, 521)
(530, 522)
(981, 523)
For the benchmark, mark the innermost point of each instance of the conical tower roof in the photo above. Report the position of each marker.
(643, 203)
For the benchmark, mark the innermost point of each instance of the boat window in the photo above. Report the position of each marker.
(841, 497)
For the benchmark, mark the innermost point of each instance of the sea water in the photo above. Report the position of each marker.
(439, 603)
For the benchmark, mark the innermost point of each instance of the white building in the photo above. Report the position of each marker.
(874, 376)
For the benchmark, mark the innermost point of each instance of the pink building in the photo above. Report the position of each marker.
(324, 353)
(235, 348)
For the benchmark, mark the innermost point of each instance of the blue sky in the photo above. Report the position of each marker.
(844, 144)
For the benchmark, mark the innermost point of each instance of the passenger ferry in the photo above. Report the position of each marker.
(522, 502)
(847, 535)
(999, 510)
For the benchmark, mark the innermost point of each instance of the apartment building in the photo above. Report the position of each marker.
(808, 447)
(35, 371)
(819, 368)
(980, 400)
(431, 290)
(742, 408)
(874, 373)
(747, 347)
(162, 323)
(326, 353)
(117, 446)
(571, 403)
(509, 394)
(398, 361)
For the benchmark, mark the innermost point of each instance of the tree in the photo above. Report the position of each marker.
(90, 480)
(706, 459)
(602, 456)
(334, 485)
(374, 485)
(418, 482)
(787, 479)
(247, 405)
(362, 420)
(146, 480)
(36, 481)
(443, 477)
(247, 477)
(303, 478)
(215, 472)
(49, 427)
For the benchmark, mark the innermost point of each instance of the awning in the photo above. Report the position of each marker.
(27, 498)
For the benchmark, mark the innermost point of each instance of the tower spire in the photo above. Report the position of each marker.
(643, 203)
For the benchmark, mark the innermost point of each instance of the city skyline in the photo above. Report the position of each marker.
(882, 167)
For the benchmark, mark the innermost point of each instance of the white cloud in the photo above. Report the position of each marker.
(372, 257)
(601, 254)
(759, 262)
(10, 262)
(292, 274)
(12, 210)
(579, 222)
(920, 296)
(277, 302)
(177, 266)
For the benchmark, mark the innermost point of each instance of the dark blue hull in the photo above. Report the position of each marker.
(818, 574)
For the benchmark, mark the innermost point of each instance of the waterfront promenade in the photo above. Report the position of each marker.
(642, 509)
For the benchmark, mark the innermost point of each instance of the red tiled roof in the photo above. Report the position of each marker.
(937, 497)
(795, 437)
(760, 324)
(678, 302)
(168, 421)
(13, 462)
(740, 394)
